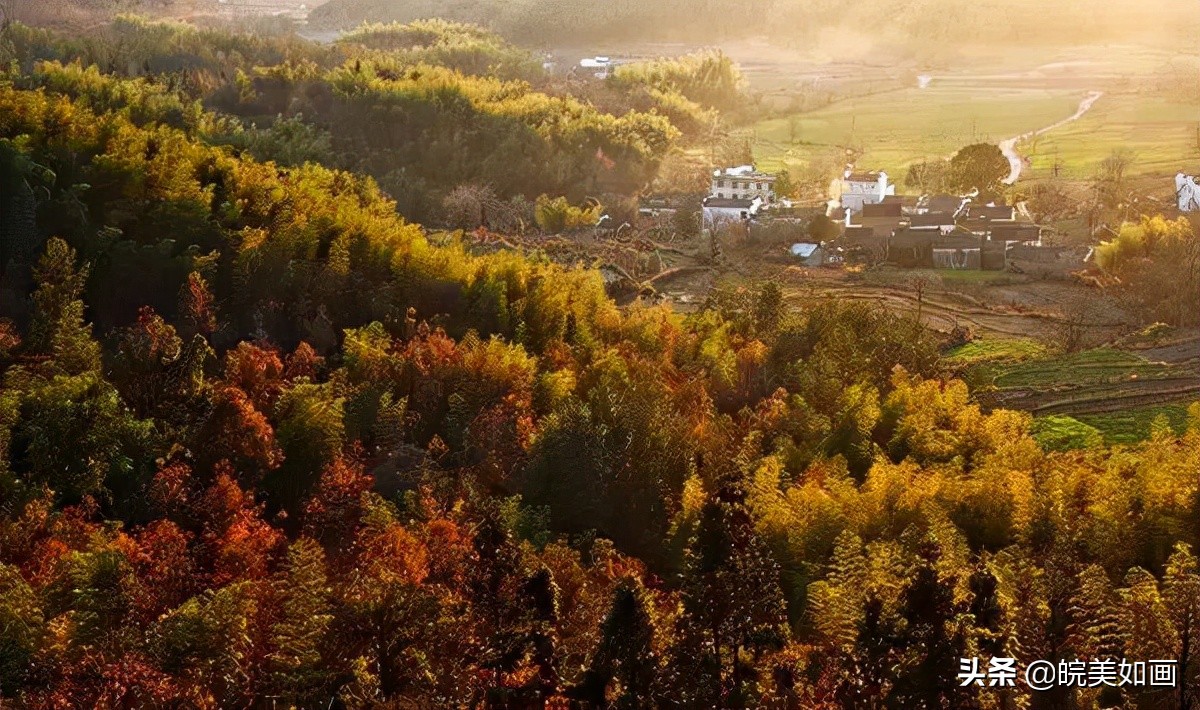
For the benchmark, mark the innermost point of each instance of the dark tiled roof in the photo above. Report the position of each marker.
(990, 213)
(902, 200)
(944, 203)
(1016, 230)
(932, 219)
(884, 209)
(726, 202)
(911, 237)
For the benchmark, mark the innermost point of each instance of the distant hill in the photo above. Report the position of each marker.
(907, 25)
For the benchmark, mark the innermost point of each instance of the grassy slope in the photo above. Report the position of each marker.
(897, 128)
(1158, 132)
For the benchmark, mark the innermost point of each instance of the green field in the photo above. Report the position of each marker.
(1073, 392)
(896, 128)
(1134, 425)
(978, 352)
(1159, 134)
(1099, 366)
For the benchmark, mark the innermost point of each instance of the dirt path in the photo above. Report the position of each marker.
(1009, 147)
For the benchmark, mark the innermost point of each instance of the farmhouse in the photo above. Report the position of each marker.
(882, 217)
(1014, 232)
(950, 204)
(940, 222)
(858, 189)
(992, 213)
(870, 244)
(957, 251)
(718, 211)
(743, 183)
(910, 248)
(599, 67)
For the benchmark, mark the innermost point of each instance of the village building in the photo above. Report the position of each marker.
(1015, 232)
(598, 67)
(941, 222)
(858, 189)
(722, 211)
(983, 218)
(929, 248)
(959, 251)
(957, 257)
(808, 253)
(883, 216)
(950, 204)
(910, 248)
(743, 183)
(869, 244)
(908, 203)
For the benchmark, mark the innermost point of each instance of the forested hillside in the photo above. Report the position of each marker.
(264, 440)
(908, 27)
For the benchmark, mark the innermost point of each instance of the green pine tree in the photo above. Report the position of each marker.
(58, 328)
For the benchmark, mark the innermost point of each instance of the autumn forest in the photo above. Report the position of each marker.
(272, 434)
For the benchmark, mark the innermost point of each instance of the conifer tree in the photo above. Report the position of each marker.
(731, 595)
(625, 655)
(297, 671)
(1181, 594)
(59, 328)
(1095, 629)
(930, 642)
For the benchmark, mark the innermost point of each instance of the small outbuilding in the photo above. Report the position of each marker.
(808, 253)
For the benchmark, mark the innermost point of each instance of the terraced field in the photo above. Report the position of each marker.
(1118, 392)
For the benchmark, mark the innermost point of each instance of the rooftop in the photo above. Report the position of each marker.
(932, 219)
(943, 203)
(743, 171)
(990, 212)
(883, 209)
(728, 203)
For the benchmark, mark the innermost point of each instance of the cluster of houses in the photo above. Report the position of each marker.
(876, 225)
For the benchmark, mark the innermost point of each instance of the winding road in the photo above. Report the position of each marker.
(1009, 147)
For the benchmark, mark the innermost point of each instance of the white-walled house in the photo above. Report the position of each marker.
(600, 67)
(742, 183)
(722, 211)
(860, 189)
